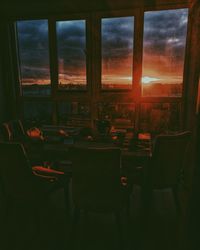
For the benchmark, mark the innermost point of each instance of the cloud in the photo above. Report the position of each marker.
(165, 30)
(117, 37)
(71, 40)
(33, 49)
(164, 35)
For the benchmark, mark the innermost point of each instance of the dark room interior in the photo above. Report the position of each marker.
(100, 125)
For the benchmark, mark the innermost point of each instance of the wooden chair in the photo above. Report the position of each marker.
(166, 166)
(96, 185)
(13, 131)
(21, 189)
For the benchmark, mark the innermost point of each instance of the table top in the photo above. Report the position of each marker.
(130, 147)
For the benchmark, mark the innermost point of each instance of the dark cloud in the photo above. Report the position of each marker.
(33, 49)
(35, 73)
(165, 30)
(71, 34)
(117, 37)
(164, 34)
(33, 34)
(71, 39)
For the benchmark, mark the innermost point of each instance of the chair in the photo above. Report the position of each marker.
(96, 185)
(21, 189)
(6, 132)
(13, 131)
(103, 126)
(17, 130)
(166, 166)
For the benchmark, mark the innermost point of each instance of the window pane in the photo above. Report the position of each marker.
(74, 113)
(38, 112)
(71, 40)
(121, 115)
(160, 117)
(117, 52)
(163, 52)
(34, 57)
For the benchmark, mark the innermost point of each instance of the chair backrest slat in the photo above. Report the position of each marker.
(96, 178)
(168, 158)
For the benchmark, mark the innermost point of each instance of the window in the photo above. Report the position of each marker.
(117, 52)
(163, 52)
(34, 57)
(71, 40)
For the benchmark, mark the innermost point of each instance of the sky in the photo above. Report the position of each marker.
(117, 49)
(164, 44)
(163, 53)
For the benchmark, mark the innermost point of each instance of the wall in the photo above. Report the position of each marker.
(7, 83)
(2, 101)
(17, 8)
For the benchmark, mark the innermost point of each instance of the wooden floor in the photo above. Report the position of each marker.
(95, 231)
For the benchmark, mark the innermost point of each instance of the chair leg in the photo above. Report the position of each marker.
(75, 221)
(146, 205)
(67, 200)
(176, 199)
(119, 229)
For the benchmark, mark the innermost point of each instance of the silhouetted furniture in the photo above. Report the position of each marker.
(96, 185)
(13, 131)
(6, 133)
(166, 166)
(21, 189)
(103, 126)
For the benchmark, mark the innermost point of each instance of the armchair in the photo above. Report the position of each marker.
(167, 164)
(22, 190)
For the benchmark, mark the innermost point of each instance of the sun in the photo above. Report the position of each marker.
(148, 79)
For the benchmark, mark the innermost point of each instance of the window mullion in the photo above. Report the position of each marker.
(53, 57)
(137, 64)
(138, 49)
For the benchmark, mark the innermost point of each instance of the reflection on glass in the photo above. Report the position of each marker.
(117, 52)
(163, 52)
(71, 41)
(38, 112)
(75, 111)
(34, 57)
(120, 114)
(160, 117)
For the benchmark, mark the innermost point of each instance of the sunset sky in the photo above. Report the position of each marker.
(163, 54)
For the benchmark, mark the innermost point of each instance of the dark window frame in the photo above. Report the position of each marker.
(94, 93)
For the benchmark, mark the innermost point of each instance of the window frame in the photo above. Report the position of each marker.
(54, 52)
(168, 98)
(94, 93)
(114, 14)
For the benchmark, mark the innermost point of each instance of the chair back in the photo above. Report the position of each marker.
(17, 130)
(15, 170)
(96, 178)
(13, 131)
(6, 132)
(168, 159)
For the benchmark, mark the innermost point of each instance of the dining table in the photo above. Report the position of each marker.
(135, 154)
(135, 151)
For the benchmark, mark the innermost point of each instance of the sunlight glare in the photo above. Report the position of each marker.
(148, 79)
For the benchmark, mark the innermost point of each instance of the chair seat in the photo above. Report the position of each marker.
(44, 170)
